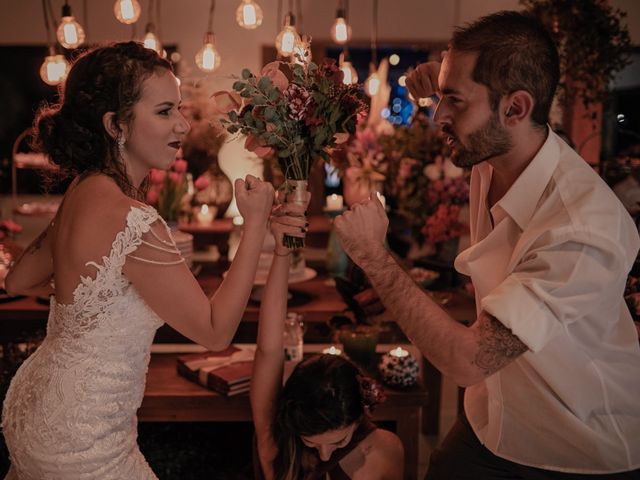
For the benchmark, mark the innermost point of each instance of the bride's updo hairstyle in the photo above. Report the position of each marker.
(104, 79)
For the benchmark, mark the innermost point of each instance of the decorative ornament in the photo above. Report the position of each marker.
(399, 368)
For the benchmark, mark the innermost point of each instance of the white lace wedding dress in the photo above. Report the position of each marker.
(70, 412)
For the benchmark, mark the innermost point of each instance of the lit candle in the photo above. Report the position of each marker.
(399, 352)
(383, 200)
(335, 202)
(332, 350)
(205, 214)
(399, 368)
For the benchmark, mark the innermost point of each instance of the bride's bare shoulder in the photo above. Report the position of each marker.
(97, 200)
(93, 212)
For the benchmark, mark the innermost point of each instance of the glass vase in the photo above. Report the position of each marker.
(295, 192)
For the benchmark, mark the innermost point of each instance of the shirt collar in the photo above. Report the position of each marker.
(521, 199)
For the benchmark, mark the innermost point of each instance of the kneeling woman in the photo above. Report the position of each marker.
(317, 426)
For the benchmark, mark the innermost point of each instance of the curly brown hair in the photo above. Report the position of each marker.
(104, 79)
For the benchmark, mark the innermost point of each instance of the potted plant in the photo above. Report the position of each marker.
(592, 41)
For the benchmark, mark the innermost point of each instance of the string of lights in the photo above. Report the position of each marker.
(289, 42)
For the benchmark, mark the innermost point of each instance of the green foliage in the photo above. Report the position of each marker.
(592, 41)
(298, 122)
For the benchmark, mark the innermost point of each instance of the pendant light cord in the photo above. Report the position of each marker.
(374, 34)
(212, 7)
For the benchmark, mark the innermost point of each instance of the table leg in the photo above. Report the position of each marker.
(408, 427)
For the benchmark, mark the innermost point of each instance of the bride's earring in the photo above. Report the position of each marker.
(121, 141)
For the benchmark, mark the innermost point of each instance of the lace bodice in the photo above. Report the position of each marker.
(70, 410)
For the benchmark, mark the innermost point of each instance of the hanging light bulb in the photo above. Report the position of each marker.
(127, 11)
(208, 58)
(249, 15)
(151, 40)
(340, 31)
(372, 83)
(70, 33)
(288, 37)
(54, 69)
(350, 74)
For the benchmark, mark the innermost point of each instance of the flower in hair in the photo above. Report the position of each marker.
(371, 391)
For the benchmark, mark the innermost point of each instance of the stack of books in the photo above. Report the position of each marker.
(227, 372)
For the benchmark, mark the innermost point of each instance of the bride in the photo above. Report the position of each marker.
(70, 410)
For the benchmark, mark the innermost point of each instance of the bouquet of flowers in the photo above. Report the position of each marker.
(169, 190)
(295, 111)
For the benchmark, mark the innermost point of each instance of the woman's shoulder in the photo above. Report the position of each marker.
(99, 198)
(383, 446)
(95, 210)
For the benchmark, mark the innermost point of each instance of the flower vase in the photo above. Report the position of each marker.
(359, 343)
(218, 192)
(337, 260)
(295, 192)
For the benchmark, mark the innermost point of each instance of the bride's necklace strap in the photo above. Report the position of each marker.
(158, 247)
(157, 262)
(162, 240)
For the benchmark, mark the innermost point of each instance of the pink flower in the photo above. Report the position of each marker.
(273, 72)
(443, 225)
(226, 102)
(201, 182)
(10, 226)
(152, 196)
(157, 176)
(175, 177)
(180, 166)
(257, 146)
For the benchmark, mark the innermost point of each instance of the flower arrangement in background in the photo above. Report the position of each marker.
(446, 193)
(202, 143)
(362, 164)
(423, 187)
(168, 192)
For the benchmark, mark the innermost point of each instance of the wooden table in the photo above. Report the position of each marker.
(171, 398)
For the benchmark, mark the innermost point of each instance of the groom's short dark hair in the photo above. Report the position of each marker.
(515, 52)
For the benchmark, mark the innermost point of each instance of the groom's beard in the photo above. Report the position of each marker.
(489, 140)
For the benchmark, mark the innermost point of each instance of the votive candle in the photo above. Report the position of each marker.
(335, 202)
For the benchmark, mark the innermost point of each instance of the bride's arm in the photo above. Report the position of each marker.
(165, 283)
(31, 274)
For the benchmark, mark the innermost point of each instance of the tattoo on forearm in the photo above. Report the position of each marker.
(497, 346)
(37, 243)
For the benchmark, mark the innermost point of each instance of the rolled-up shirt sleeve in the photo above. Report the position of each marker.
(554, 285)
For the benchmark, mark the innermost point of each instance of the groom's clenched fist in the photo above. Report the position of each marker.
(362, 229)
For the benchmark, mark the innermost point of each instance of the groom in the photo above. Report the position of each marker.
(552, 362)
